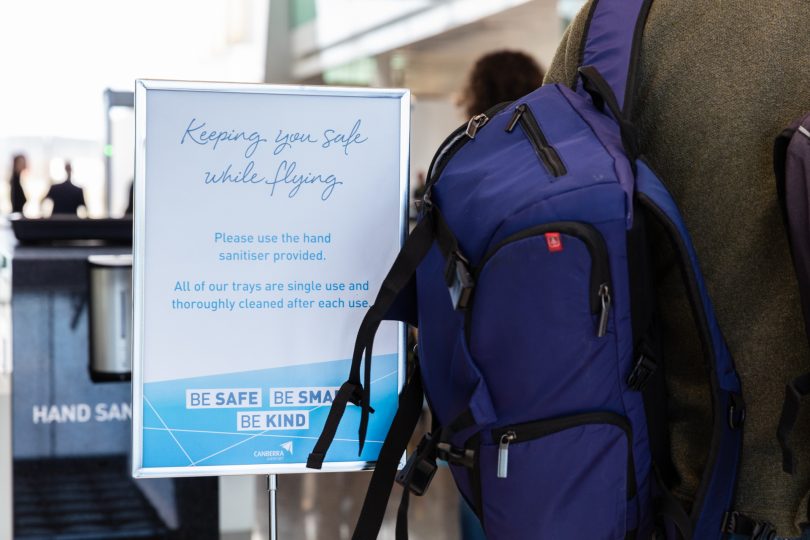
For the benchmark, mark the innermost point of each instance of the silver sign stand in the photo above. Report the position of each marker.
(272, 488)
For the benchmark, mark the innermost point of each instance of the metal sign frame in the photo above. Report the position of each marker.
(143, 87)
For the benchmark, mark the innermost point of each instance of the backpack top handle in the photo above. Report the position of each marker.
(611, 44)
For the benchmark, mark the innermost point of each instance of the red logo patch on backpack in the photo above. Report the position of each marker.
(554, 242)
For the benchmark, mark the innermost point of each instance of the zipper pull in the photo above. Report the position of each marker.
(476, 122)
(604, 294)
(503, 453)
(519, 110)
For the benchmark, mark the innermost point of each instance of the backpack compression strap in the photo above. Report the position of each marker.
(431, 227)
(353, 391)
(611, 44)
(379, 490)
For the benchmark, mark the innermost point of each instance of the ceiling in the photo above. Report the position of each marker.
(439, 65)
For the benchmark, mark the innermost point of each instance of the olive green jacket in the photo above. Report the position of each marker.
(719, 79)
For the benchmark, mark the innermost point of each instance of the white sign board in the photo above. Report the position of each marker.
(266, 218)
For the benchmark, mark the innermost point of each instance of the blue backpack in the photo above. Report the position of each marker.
(529, 277)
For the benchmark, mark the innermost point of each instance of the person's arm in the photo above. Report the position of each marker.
(81, 210)
(564, 66)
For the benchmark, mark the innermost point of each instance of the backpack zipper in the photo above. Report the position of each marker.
(604, 297)
(476, 122)
(535, 430)
(457, 139)
(600, 294)
(503, 453)
(548, 155)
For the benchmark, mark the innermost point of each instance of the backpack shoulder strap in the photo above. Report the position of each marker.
(716, 492)
(611, 44)
(609, 52)
(791, 163)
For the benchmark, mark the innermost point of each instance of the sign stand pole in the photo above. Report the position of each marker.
(272, 488)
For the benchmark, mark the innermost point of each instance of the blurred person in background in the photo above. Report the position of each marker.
(497, 77)
(17, 195)
(66, 197)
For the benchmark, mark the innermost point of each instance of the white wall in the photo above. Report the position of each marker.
(432, 119)
(237, 504)
(6, 487)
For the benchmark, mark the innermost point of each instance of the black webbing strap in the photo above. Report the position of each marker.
(402, 515)
(413, 252)
(419, 471)
(348, 392)
(780, 149)
(415, 249)
(794, 393)
(457, 273)
(603, 97)
(463, 421)
(448, 244)
(670, 511)
(379, 489)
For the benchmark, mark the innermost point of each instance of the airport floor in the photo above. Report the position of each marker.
(326, 506)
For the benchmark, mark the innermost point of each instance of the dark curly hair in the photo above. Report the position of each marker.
(497, 77)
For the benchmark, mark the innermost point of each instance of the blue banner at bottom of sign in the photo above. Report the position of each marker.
(264, 417)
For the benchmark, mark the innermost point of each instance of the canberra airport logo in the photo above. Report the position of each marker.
(276, 455)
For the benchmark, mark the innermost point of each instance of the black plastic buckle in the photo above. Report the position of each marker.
(764, 531)
(736, 523)
(641, 373)
(420, 468)
(356, 398)
(729, 522)
(459, 281)
(456, 456)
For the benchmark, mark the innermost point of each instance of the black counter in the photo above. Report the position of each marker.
(59, 266)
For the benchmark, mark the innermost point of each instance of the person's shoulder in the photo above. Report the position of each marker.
(563, 68)
(65, 187)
